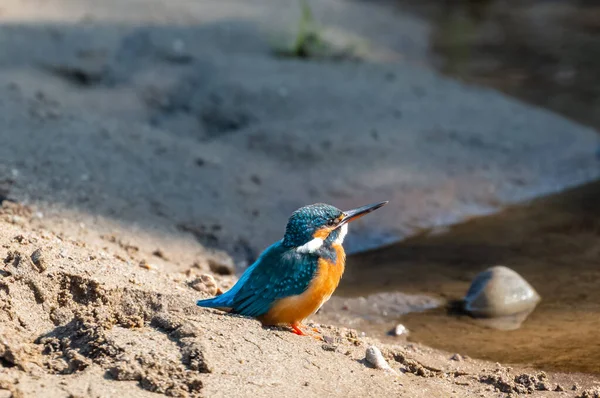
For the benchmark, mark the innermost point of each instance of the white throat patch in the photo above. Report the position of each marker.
(342, 235)
(315, 244)
(310, 246)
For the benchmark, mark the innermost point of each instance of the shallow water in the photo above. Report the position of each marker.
(541, 52)
(553, 242)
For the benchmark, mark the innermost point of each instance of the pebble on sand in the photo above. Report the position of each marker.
(375, 358)
(38, 260)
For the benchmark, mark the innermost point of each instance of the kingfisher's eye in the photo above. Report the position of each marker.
(331, 223)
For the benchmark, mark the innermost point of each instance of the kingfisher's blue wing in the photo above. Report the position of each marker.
(279, 272)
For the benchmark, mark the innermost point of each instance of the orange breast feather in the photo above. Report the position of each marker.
(294, 309)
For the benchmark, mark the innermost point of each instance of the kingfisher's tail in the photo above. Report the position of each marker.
(222, 302)
(227, 301)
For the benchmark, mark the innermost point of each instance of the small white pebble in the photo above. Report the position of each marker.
(400, 330)
(375, 358)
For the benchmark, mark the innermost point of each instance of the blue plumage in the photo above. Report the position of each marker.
(309, 259)
(306, 220)
(279, 272)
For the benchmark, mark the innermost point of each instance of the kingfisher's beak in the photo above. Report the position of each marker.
(357, 213)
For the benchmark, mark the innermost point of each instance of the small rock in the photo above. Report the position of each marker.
(329, 347)
(457, 357)
(501, 295)
(221, 264)
(500, 291)
(375, 358)
(559, 388)
(38, 260)
(400, 330)
(205, 283)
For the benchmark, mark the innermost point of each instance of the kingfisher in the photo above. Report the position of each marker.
(295, 276)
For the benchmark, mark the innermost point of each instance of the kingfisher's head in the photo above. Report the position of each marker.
(312, 226)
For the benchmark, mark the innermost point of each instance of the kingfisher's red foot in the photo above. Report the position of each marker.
(297, 330)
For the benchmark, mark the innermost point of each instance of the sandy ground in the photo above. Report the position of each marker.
(82, 320)
(140, 136)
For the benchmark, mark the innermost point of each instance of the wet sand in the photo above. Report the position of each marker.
(553, 242)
